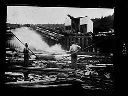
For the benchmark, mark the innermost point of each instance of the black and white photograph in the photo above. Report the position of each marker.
(63, 49)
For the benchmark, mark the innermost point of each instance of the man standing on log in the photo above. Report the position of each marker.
(26, 60)
(74, 48)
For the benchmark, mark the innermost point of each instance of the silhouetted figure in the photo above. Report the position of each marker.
(26, 55)
(26, 60)
(74, 48)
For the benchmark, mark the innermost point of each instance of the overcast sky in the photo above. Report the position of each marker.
(51, 15)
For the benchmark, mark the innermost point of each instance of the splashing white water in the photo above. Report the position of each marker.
(34, 41)
(55, 49)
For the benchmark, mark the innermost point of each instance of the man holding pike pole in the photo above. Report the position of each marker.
(26, 61)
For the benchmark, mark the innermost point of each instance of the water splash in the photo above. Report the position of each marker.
(34, 40)
(56, 49)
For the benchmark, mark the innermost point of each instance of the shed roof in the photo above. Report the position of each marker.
(83, 20)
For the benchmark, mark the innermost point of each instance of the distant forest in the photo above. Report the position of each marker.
(103, 24)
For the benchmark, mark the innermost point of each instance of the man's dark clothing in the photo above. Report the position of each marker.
(26, 57)
(74, 60)
(26, 62)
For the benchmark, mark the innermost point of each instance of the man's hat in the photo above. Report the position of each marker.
(26, 45)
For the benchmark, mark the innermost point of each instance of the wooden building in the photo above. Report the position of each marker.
(78, 30)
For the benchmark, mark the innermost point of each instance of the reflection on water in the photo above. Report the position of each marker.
(61, 79)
